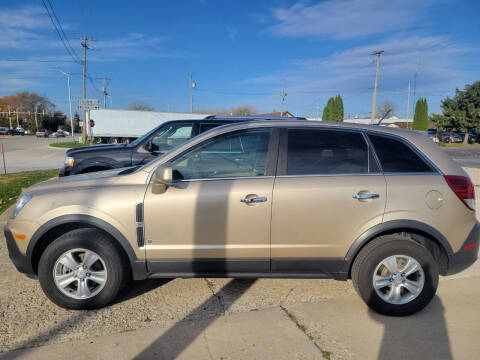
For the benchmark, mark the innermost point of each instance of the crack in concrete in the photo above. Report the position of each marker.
(302, 328)
(211, 286)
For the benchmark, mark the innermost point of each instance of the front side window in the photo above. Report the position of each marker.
(171, 136)
(241, 154)
(397, 157)
(328, 152)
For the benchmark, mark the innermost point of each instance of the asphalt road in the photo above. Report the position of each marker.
(25, 153)
(469, 156)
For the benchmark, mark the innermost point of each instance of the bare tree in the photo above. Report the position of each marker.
(244, 110)
(238, 111)
(385, 110)
(139, 105)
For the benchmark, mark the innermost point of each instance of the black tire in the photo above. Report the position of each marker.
(90, 239)
(379, 249)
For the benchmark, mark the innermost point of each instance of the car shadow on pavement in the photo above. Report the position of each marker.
(423, 335)
(176, 339)
(132, 288)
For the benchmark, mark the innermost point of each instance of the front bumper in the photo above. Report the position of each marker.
(65, 171)
(21, 261)
(467, 254)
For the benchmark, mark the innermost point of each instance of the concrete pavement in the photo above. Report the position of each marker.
(25, 153)
(340, 328)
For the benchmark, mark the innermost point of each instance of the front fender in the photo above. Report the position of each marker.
(138, 266)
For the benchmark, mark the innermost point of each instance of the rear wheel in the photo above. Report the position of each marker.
(395, 275)
(82, 269)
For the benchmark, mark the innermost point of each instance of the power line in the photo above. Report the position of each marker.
(76, 59)
(63, 32)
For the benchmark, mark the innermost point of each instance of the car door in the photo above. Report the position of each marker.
(215, 217)
(329, 190)
(166, 138)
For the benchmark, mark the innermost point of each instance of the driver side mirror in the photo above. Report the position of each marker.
(162, 178)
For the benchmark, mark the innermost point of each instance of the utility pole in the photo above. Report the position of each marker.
(84, 43)
(36, 121)
(283, 95)
(377, 72)
(408, 105)
(192, 85)
(18, 123)
(9, 116)
(415, 87)
(104, 91)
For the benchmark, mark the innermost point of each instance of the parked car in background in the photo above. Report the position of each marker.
(158, 141)
(444, 137)
(473, 137)
(4, 131)
(276, 199)
(17, 131)
(457, 137)
(432, 135)
(61, 133)
(42, 133)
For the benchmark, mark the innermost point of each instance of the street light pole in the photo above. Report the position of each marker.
(69, 98)
(377, 72)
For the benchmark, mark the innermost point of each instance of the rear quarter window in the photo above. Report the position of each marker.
(397, 157)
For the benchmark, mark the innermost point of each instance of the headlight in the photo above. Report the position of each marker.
(24, 199)
(69, 161)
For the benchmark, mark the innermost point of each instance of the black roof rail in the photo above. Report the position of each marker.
(252, 117)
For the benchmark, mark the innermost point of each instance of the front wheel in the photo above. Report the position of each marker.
(395, 275)
(82, 269)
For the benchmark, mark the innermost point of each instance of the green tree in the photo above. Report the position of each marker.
(333, 111)
(328, 110)
(338, 109)
(462, 112)
(420, 118)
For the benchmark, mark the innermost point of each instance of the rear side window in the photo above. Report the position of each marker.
(327, 152)
(208, 126)
(397, 157)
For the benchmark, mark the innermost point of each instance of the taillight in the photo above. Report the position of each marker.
(462, 187)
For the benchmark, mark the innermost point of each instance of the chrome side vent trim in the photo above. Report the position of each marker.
(139, 224)
(139, 213)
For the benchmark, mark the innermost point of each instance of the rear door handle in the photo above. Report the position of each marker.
(366, 196)
(253, 200)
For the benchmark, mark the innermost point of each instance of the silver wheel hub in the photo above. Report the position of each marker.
(398, 279)
(80, 273)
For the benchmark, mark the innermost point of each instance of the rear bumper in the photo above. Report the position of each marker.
(467, 254)
(21, 261)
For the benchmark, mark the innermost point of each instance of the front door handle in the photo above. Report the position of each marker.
(366, 196)
(251, 200)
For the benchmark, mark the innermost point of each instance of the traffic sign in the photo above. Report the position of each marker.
(88, 104)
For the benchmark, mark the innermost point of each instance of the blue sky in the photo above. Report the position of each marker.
(238, 51)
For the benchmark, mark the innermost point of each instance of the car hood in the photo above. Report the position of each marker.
(87, 149)
(75, 182)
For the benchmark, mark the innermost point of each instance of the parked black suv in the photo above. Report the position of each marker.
(158, 141)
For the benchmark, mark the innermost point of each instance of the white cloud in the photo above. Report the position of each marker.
(133, 45)
(351, 72)
(344, 19)
(27, 17)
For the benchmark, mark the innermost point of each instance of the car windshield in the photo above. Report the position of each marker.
(144, 137)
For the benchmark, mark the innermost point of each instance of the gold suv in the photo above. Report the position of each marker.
(384, 207)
